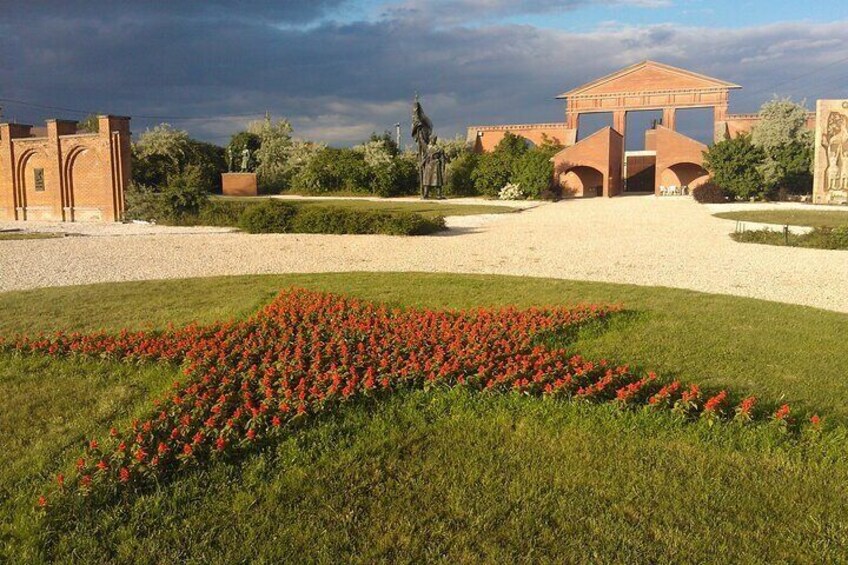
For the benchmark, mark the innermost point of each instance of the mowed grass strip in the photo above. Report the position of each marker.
(447, 475)
(453, 477)
(428, 209)
(811, 218)
(13, 236)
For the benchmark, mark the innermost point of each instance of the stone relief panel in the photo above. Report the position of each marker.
(830, 180)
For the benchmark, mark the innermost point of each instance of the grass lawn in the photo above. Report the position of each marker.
(447, 475)
(428, 209)
(811, 218)
(11, 236)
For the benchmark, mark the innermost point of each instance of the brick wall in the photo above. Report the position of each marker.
(84, 175)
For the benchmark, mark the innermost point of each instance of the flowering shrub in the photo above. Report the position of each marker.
(511, 191)
(308, 352)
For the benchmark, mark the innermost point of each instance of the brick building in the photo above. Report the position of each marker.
(58, 174)
(600, 164)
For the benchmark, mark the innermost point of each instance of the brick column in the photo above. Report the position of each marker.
(668, 118)
(619, 122)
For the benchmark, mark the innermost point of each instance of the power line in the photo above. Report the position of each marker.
(138, 116)
(793, 79)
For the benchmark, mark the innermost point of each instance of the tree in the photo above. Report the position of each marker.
(787, 143)
(163, 153)
(459, 173)
(377, 151)
(735, 166)
(533, 171)
(495, 169)
(273, 157)
(335, 170)
(89, 124)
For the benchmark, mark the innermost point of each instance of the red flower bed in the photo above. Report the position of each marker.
(307, 352)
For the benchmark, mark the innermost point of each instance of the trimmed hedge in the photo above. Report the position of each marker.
(271, 216)
(276, 216)
(345, 221)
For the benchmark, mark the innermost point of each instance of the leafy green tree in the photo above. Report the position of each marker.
(787, 144)
(459, 173)
(395, 178)
(533, 171)
(791, 165)
(273, 156)
(335, 170)
(163, 153)
(735, 166)
(495, 169)
(89, 124)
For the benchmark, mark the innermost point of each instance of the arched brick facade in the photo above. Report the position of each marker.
(64, 175)
(644, 86)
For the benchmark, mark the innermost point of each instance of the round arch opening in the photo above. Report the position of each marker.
(582, 181)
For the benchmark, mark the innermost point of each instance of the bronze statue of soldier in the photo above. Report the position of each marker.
(433, 171)
(431, 158)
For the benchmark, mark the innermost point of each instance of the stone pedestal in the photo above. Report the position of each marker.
(239, 184)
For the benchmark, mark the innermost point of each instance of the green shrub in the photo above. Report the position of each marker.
(459, 173)
(494, 170)
(534, 172)
(395, 178)
(709, 193)
(335, 170)
(735, 166)
(181, 198)
(819, 238)
(272, 216)
(223, 213)
(327, 219)
(144, 203)
(186, 192)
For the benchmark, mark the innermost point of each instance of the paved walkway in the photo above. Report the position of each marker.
(635, 239)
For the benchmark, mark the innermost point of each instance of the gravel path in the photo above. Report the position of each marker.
(636, 239)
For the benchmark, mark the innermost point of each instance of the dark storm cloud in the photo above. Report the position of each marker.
(338, 82)
(456, 11)
(292, 11)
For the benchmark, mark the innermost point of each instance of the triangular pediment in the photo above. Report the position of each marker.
(648, 76)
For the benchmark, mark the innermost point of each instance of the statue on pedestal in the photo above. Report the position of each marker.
(245, 160)
(433, 173)
(431, 158)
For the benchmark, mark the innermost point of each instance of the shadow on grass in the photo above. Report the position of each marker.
(624, 321)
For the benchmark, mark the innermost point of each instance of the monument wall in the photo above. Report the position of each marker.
(62, 175)
(830, 173)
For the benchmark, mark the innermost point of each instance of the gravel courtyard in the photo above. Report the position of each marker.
(642, 240)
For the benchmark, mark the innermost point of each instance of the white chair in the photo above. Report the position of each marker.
(663, 191)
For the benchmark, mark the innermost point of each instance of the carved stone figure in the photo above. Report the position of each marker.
(230, 159)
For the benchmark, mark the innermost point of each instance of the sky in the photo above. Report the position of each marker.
(342, 69)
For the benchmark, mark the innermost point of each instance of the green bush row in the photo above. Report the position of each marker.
(819, 238)
(273, 216)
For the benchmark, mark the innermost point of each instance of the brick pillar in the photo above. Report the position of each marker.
(8, 196)
(619, 122)
(61, 206)
(572, 120)
(668, 119)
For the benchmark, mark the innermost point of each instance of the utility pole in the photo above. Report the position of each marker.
(397, 134)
